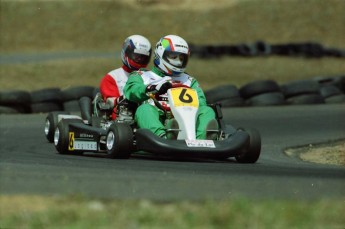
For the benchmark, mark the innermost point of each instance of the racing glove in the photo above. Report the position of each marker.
(111, 102)
(160, 88)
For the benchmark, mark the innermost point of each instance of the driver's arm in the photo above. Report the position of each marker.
(135, 89)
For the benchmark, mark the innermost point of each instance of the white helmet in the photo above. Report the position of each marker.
(171, 55)
(136, 52)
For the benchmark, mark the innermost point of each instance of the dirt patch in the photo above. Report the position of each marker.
(331, 153)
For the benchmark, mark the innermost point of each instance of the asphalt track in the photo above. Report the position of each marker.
(31, 165)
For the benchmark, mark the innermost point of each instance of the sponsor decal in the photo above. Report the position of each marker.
(86, 135)
(200, 143)
(85, 145)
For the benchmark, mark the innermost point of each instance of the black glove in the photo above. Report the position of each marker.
(160, 88)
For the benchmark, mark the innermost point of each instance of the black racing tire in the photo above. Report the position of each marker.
(263, 48)
(267, 99)
(51, 124)
(96, 90)
(247, 49)
(258, 87)
(300, 87)
(252, 153)
(329, 91)
(75, 93)
(61, 136)
(232, 102)
(306, 99)
(15, 97)
(336, 99)
(8, 110)
(120, 141)
(338, 81)
(221, 93)
(45, 107)
(46, 95)
(72, 105)
(19, 108)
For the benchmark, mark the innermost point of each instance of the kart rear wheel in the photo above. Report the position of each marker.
(51, 124)
(120, 142)
(252, 153)
(61, 136)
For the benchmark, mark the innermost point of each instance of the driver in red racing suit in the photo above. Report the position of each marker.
(135, 54)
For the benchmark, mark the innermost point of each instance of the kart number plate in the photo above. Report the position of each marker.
(85, 145)
(201, 143)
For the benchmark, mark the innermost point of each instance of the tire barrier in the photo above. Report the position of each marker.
(318, 90)
(43, 100)
(261, 48)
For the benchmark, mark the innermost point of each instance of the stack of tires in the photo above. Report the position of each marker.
(332, 89)
(302, 92)
(262, 93)
(261, 48)
(44, 100)
(15, 101)
(269, 93)
(71, 96)
(318, 90)
(226, 95)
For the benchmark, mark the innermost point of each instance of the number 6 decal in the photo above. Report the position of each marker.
(182, 96)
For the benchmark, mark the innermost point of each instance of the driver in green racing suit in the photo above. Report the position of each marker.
(171, 58)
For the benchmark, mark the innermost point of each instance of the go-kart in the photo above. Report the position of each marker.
(120, 138)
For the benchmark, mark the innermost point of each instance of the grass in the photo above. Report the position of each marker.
(34, 27)
(80, 212)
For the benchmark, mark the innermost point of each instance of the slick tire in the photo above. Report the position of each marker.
(252, 153)
(220, 93)
(61, 136)
(258, 87)
(15, 97)
(300, 87)
(306, 99)
(52, 95)
(267, 99)
(75, 93)
(329, 91)
(336, 99)
(120, 142)
(51, 124)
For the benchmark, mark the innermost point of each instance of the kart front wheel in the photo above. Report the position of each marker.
(120, 142)
(252, 152)
(61, 136)
(51, 124)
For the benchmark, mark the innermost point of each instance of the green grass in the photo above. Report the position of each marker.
(79, 212)
(101, 26)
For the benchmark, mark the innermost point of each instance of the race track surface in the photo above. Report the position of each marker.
(31, 165)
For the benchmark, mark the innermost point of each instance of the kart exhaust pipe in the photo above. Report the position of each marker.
(85, 108)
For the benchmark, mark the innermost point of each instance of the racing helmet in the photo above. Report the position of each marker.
(136, 52)
(171, 55)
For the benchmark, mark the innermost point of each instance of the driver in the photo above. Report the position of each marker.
(170, 62)
(135, 54)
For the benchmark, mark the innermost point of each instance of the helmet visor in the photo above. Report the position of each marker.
(138, 57)
(176, 59)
